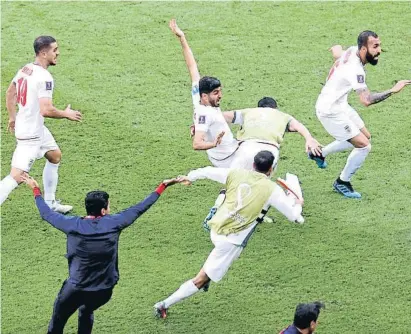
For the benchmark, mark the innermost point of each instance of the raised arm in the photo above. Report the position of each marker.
(188, 54)
(63, 223)
(311, 144)
(11, 102)
(368, 98)
(129, 216)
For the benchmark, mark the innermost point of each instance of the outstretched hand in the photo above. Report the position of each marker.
(400, 85)
(27, 179)
(170, 182)
(179, 179)
(184, 180)
(313, 146)
(72, 115)
(175, 29)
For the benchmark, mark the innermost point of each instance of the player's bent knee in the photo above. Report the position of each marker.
(53, 156)
(360, 141)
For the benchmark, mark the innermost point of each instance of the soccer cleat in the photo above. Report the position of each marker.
(160, 310)
(210, 215)
(60, 208)
(320, 160)
(345, 189)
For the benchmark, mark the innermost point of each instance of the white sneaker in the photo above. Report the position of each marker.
(56, 206)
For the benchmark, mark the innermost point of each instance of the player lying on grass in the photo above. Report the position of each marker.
(249, 196)
(92, 253)
(338, 118)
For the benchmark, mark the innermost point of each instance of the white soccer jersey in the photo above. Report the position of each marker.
(211, 121)
(346, 75)
(32, 82)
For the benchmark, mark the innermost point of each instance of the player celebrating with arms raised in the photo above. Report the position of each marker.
(339, 119)
(32, 90)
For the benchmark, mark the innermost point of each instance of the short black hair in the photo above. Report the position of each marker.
(96, 201)
(42, 42)
(363, 38)
(305, 313)
(208, 84)
(263, 161)
(267, 102)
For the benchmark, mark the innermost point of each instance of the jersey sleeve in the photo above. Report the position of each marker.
(285, 119)
(212, 173)
(356, 78)
(202, 119)
(285, 204)
(195, 94)
(16, 77)
(238, 117)
(45, 86)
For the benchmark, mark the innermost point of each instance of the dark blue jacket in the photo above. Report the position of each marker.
(290, 330)
(92, 243)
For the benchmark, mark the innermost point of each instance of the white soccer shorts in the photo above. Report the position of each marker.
(223, 163)
(244, 157)
(221, 257)
(343, 124)
(27, 151)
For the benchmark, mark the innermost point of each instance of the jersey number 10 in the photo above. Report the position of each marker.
(21, 91)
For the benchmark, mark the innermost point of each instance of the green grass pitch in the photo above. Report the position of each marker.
(121, 66)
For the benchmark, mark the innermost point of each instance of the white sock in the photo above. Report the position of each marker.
(354, 162)
(220, 199)
(336, 146)
(7, 185)
(186, 289)
(50, 180)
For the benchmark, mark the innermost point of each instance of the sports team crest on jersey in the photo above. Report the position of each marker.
(202, 119)
(360, 78)
(49, 85)
(195, 90)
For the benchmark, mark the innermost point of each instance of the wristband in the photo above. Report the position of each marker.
(161, 188)
(36, 191)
